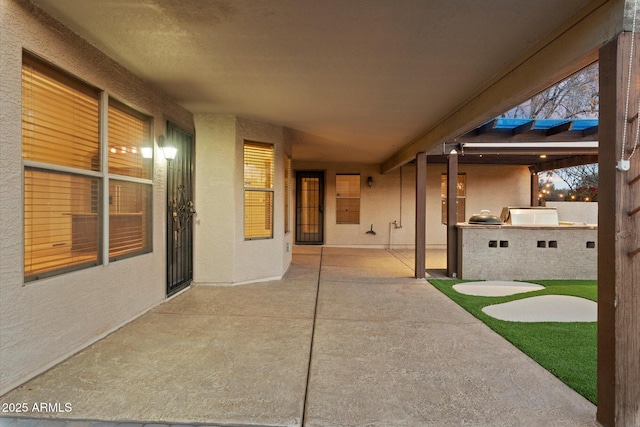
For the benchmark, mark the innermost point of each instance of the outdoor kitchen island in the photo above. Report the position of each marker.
(527, 244)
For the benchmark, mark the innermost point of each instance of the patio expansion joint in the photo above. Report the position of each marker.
(238, 315)
(397, 320)
(313, 331)
(30, 421)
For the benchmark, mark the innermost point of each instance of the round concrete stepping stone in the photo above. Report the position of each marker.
(495, 288)
(545, 308)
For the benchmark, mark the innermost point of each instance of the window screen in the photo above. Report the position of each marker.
(347, 199)
(258, 190)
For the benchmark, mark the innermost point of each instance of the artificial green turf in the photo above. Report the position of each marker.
(566, 349)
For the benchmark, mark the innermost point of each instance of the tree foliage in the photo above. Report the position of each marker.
(574, 98)
(581, 182)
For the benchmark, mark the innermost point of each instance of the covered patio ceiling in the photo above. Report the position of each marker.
(354, 80)
(543, 144)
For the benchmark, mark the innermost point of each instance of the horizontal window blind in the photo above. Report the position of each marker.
(61, 226)
(460, 210)
(59, 118)
(258, 165)
(348, 185)
(258, 195)
(64, 211)
(128, 133)
(348, 211)
(461, 191)
(258, 214)
(461, 188)
(129, 218)
(347, 199)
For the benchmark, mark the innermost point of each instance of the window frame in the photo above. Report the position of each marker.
(147, 182)
(287, 193)
(267, 190)
(97, 170)
(69, 267)
(358, 198)
(463, 197)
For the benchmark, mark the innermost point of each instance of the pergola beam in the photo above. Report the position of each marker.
(564, 163)
(593, 130)
(568, 49)
(531, 136)
(562, 127)
(490, 125)
(525, 127)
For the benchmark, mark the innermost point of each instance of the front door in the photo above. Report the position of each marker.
(180, 211)
(309, 208)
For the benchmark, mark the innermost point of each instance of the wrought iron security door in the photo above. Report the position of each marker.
(309, 208)
(180, 211)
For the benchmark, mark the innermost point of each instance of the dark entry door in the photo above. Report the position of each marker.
(309, 208)
(180, 211)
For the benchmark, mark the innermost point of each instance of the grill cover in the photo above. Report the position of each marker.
(484, 217)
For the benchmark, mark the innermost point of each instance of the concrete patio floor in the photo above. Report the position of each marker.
(347, 338)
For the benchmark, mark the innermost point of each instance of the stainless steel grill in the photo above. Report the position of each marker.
(529, 216)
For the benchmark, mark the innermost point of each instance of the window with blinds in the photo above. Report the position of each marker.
(60, 226)
(347, 199)
(129, 201)
(64, 174)
(60, 145)
(287, 192)
(59, 118)
(461, 197)
(129, 216)
(129, 131)
(258, 190)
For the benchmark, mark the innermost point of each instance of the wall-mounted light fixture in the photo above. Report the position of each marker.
(370, 181)
(168, 148)
(146, 150)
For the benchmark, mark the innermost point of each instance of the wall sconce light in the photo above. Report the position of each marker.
(370, 181)
(169, 150)
(146, 150)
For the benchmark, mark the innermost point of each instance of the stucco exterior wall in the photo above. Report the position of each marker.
(222, 255)
(215, 223)
(488, 187)
(45, 321)
(379, 205)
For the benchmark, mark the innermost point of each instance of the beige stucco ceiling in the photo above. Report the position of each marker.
(355, 79)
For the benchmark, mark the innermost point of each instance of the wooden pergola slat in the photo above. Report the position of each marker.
(562, 127)
(593, 130)
(490, 125)
(525, 127)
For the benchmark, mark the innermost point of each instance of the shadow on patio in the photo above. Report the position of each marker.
(348, 337)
